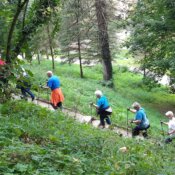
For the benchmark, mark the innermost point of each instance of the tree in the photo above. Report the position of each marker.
(22, 22)
(80, 34)
(153, 36)
(103, 38)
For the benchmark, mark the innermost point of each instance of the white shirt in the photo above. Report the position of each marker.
(171, 125)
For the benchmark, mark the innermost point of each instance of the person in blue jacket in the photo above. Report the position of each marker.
(103, 108)
(141, 121)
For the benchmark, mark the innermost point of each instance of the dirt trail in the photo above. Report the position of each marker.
(80, 117)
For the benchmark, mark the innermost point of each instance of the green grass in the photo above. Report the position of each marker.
(37, 141)
(128, 88)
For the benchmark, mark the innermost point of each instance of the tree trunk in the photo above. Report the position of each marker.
(79, 56)
(101, 15)
(50, 46)
(38, 57)
(47, 54)
(12, 28)
(79, 38)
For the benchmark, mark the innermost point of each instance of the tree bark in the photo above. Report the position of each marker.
(101, 15)
(12, 28)
(79, 56)
(38, 57)
(51, 48)
(79, 39)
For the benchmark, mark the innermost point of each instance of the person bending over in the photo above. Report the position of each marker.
(141, 121)
(103, 108)
(24, 84)
(57, 97)
(171, 126)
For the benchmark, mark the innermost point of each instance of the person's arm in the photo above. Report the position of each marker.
(132, 110)
(49, 84)
(165, 123)
(138, 118)
(94, 105)
(137, 122)
(172, 132)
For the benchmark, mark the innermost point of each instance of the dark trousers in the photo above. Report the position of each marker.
(137, 129)
(104, 116)
(59, 105)
(26, 91)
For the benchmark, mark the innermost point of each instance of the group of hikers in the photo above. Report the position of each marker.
(104, 110)
(102, 106)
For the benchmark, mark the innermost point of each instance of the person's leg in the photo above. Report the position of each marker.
(30, 93)
(108, 121)
(54, 107)
(102, 117)
(135, 131)
(23, 91)
(144, 133)
(60, 105)
(170, 139)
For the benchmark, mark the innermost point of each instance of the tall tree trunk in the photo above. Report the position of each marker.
(38, 57)
(79, 56)
(47, 54)
(101, 15)
(12, 28)
(79, 38)
(50, 46)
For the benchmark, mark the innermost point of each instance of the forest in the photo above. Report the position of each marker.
(87, 87)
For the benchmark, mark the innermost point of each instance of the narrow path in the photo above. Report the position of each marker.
(79, 117)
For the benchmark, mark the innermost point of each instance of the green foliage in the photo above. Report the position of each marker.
(16, 39)
(37, 141)
(153, 35)
(33, 143)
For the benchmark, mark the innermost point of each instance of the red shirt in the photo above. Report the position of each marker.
(2, 62)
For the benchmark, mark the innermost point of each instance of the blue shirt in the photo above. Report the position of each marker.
(141, 115)
(53, 82)
(102, 103)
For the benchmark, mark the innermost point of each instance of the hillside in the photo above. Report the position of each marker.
(37, 141)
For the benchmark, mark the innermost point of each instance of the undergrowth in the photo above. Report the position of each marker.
(37, 141)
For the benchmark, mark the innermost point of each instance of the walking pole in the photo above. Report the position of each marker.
(48, 97)
(127, 121)
(162, 129)
(38, 92)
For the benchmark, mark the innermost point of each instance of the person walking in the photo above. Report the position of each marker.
(57, 96)
(24, 84)
(103, 108)
(141, 121)
(171, 126)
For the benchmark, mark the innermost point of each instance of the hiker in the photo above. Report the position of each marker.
(24, 84)
(171, 126)
(3, 80)
(57, 97)
(103, 108)
(141, 121)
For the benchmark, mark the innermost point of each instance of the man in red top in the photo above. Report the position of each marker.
(2, 79)
(2, 62)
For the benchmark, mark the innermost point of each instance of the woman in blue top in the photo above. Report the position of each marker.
(103, 108)
(141, 120)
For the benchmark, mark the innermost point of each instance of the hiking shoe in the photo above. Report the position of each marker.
(145, 135)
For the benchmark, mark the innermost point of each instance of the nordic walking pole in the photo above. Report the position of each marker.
(127, 120)
(48, 97)
(38, 92)
(162, 129)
